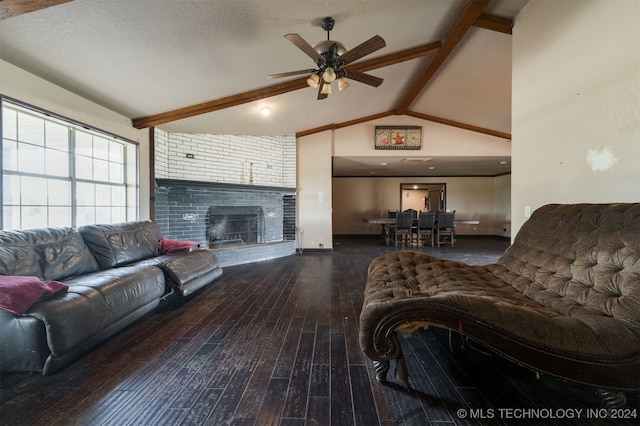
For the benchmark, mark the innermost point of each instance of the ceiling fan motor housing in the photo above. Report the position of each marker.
(330, 51)
(324, 46)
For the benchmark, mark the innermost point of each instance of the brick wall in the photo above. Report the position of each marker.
(182, 206)
(259, 160)
(161, 153)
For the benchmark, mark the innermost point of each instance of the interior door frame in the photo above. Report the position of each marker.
(440, 187)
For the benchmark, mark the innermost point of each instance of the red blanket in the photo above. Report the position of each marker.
(165, 245)
(18, 293)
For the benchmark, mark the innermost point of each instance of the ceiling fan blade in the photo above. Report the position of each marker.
(363, 49)
(290, 73)
(320, 86)
(364, 78)
(304, 46)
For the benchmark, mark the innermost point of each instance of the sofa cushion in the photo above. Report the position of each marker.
(185, 272)
(123, 243)
(46, 253)
(95, 301)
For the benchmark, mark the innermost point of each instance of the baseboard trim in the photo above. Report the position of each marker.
(458, 236)
(316, 250)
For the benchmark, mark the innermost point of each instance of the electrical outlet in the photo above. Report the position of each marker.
(527, 211)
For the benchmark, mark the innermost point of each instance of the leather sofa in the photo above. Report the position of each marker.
(563, 300)
(115, 274)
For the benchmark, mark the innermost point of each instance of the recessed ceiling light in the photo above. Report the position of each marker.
(265, 111)
(384, 164)
(503, 162)
(431, 168)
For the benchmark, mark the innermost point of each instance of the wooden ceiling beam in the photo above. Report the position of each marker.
(494, 23)
(334, 126)
(12, 8)
(218, 104)
(470, 12)
(397, 57)
(459, 125)
(414, 114)
(278, 89)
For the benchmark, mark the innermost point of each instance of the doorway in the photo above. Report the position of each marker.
(423, 196)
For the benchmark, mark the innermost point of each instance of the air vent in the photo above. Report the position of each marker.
(417, 160)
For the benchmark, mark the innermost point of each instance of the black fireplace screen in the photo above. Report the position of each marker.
(234, 225)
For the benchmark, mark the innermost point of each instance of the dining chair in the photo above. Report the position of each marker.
(426, 222)
(404, 227)
(391, 228)
(445, 229)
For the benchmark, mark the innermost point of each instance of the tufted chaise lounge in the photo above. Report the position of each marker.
(564, 299)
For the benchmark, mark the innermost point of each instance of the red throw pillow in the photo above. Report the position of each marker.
(18, 293)
(166, 245)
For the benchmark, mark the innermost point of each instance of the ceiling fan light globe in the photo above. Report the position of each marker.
(313, 80)
(324, 46)
(342, 83)
(326, 89)
(329, 75)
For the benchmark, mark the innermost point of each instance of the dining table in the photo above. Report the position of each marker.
(386, 223)
(384, 228)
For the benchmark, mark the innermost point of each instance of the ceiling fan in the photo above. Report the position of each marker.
(331, 57)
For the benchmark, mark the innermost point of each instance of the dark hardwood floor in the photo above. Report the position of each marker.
(276, 343)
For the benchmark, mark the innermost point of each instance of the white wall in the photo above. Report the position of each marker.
(314, 191)
(502, 213)
(23, 86)
(576, 104)
(437, 140)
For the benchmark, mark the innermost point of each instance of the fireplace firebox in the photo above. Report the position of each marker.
(234, 225)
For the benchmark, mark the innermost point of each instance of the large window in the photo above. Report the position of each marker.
(58, 173)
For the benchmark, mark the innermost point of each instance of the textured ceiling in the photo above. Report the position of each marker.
(146, 57)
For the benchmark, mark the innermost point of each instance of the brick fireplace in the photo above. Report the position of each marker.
(246, 223)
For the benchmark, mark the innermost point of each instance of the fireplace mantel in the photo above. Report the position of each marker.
(169, 183)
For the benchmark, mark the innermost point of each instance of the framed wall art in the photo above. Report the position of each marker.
(398, 137)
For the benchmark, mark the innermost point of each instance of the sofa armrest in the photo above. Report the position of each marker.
(186, 272)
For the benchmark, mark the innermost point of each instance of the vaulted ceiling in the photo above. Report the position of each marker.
(199, 66)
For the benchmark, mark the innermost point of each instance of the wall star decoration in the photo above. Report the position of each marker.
(398, 137)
